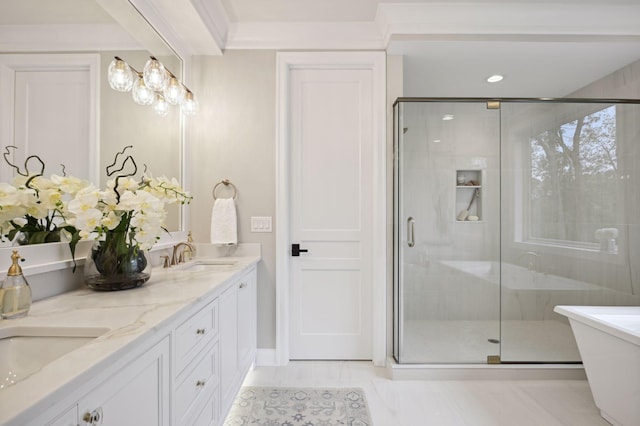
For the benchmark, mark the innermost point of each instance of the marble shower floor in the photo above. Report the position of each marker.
(443, 403)
(459, 341)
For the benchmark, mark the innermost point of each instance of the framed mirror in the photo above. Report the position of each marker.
(82, 37)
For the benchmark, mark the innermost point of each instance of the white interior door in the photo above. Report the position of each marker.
(48, 109)
(52, 119)
(331, 185)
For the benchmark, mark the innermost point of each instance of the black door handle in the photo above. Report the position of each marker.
(296, 250)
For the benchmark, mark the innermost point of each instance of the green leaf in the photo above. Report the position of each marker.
(75, 237)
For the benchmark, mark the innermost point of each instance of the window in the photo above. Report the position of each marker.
(573, 182)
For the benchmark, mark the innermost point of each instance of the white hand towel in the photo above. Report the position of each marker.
(224, 227)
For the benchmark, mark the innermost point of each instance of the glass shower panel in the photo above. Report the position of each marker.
(569, 208)
(447, 290)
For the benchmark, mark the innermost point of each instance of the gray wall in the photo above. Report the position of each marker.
(233, 137)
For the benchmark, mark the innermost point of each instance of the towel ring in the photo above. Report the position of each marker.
(225, 182)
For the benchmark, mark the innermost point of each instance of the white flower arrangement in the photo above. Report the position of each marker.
(127, 205)
(36, 207)
(42, 207)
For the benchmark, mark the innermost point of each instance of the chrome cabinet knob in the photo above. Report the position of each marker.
(93, 418)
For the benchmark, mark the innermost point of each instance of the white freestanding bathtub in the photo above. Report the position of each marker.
(608, 338)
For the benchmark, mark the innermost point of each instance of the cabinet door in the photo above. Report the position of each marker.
(228, 337)
(246, 319)
(68, 418)
(136, 395)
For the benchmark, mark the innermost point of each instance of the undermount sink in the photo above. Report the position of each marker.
(25, 350)
(208, 265)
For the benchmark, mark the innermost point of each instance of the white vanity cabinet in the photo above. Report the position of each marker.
(137, 394)
(237, 335)
(187, 371)
(214, 349)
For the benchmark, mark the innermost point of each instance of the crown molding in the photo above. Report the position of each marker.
(438, 19)
(508, 19)
(180, 25)
(65, 38)
(308, 35)
(202, 27)
(215, 19)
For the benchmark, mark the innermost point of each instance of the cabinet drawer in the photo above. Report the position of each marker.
(199, 378)
(208, 414)
(194, 333)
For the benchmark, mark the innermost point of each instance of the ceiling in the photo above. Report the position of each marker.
(545, 48)
(534, 69)
(45, 12)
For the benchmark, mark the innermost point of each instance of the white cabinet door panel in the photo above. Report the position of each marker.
(137, 395)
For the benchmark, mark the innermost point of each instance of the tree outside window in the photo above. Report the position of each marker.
(574, 174)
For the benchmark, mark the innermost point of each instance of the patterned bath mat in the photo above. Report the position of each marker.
(269, 406)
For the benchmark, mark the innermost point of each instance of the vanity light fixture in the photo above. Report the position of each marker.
(160, 105)
(494, 78)
(189, 103)
(120, 75)
(173, 90)
(154, 74)
(142, 95)
(155, 85)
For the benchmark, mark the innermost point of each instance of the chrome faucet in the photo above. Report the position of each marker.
(188, 248)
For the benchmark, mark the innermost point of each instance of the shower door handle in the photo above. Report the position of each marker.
(411, 237)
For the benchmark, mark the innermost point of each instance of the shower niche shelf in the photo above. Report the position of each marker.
(468, 182)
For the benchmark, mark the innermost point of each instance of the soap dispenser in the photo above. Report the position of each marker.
(189, 252)
(15, 293)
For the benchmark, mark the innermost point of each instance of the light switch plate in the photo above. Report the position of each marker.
(261, 224)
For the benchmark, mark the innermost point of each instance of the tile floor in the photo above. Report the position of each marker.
(442, 403)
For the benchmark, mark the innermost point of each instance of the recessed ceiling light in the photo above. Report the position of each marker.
(436, 141)
(494, 78)
(447, 117)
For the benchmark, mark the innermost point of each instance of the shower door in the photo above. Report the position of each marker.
(447, 232)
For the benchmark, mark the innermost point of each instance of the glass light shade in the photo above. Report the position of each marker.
(161, 106)
(142, 95)
(173, 91)
(120, 75)
(189, 104)
(154, 74)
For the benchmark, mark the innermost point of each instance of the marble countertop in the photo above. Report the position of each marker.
(128, 315)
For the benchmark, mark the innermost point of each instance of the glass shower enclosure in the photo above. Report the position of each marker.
(503, 209)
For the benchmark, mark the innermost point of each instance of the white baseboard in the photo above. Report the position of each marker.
(266, 357)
